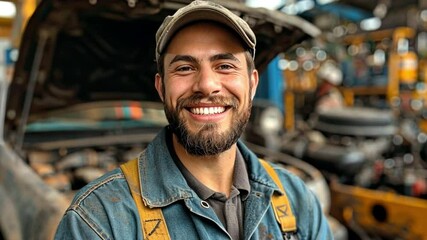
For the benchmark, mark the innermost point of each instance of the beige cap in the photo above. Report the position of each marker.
(203, 10)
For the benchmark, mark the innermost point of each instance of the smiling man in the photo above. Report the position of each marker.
(196, 180)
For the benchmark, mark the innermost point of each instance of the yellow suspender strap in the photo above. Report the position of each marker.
(281, 206)
(154, 224)
(152, 221)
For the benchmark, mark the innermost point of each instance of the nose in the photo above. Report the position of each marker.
(208, 82)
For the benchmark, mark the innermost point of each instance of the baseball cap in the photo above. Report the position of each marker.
(203, 10)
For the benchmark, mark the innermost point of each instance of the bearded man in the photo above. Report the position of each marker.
(203, 180)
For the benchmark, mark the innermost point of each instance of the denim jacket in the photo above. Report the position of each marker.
(104, 209)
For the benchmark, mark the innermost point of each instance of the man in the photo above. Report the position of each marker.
(206, 183)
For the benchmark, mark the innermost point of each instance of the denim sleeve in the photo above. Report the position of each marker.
(72, 226)
(321, 229)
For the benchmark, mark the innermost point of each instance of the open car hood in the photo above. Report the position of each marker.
(78, 51)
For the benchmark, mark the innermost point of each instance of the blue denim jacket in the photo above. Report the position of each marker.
(104, 209)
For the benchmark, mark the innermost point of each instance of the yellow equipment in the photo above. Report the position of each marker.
(403, 65)
(300, 80)
(378, 212)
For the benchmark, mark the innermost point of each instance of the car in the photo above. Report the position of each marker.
(82, 99)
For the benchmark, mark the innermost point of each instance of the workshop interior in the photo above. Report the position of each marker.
(341, 103)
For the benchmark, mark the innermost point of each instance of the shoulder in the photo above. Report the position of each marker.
(94, 206)
(294, 184)
(106, 187)
(304, 201)
(107, 196)
(305, 204)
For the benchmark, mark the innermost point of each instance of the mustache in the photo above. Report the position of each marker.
(197, 98)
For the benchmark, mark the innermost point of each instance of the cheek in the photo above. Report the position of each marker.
(240, 89)
(175, 91)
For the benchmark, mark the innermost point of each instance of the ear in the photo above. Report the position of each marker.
(159, 86)
(254, 82)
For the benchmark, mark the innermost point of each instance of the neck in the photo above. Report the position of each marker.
(215, 172)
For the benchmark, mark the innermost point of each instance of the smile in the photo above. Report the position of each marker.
(207, 110)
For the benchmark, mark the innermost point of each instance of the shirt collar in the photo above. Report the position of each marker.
(240, 175)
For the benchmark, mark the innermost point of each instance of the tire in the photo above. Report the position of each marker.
(367, 122)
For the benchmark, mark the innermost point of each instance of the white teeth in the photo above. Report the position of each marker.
(207, 110)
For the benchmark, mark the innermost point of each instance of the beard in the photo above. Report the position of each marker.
(207, 141)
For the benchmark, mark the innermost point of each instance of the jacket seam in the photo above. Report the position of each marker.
(93, 188)
(92, 226)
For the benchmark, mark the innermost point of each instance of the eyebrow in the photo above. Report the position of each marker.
(188, 58)
(185, 58)
(223, 56)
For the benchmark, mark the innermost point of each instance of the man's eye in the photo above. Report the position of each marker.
(225, 67)
(184, 69)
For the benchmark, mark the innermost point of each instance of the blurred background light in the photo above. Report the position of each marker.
(370, 24)
(7, 9)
